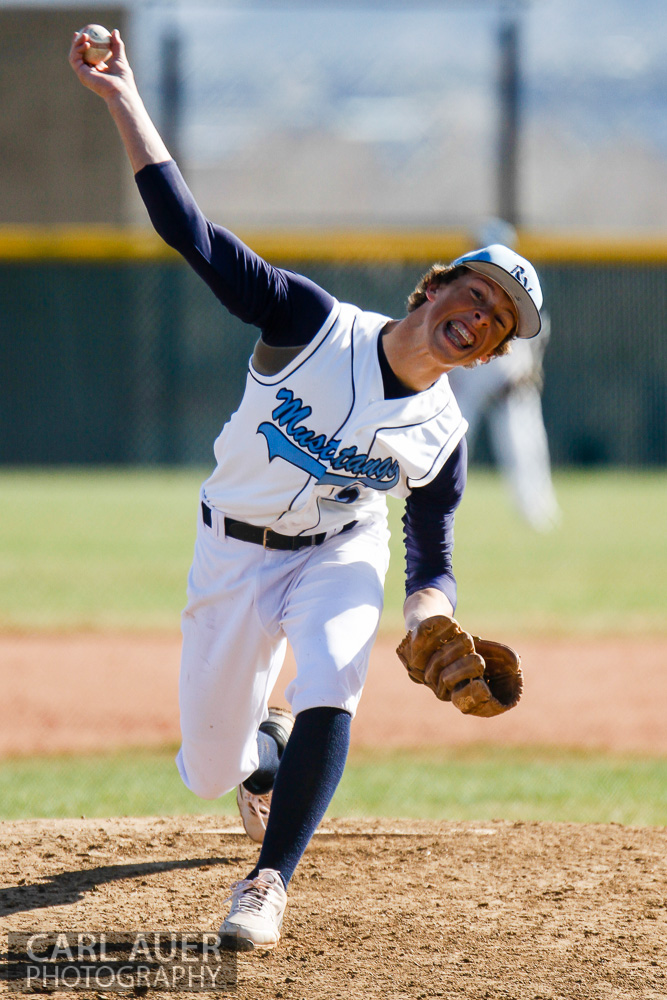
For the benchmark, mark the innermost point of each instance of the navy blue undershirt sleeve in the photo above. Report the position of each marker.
(287, 307)
(428, 527)
(428, 521)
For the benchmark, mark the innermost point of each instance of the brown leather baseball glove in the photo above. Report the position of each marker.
(479, 676)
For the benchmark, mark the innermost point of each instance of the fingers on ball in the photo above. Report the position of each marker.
(94, 44)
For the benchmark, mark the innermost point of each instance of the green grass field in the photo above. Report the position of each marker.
(110, 549)
(533, 785)
(105, 549)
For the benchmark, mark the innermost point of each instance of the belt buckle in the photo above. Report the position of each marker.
(267, 532)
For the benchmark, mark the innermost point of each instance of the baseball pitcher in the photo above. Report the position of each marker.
(342, 408)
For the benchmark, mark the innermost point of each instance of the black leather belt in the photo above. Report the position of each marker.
(264, 536)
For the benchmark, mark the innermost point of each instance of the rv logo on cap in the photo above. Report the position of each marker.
(519, 273)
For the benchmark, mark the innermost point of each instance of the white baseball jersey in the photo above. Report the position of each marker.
(314, 445)
(317, 445)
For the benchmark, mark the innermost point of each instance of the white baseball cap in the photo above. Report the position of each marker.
(516, 276)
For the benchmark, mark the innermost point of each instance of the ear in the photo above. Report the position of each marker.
(430, 292)
(486, 359)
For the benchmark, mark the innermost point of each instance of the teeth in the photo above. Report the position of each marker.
(466, 337)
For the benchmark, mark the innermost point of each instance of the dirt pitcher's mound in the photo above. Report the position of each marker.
(386, 909)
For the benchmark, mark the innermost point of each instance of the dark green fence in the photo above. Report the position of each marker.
(138, 363)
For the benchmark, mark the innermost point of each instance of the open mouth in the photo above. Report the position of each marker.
(459, 335)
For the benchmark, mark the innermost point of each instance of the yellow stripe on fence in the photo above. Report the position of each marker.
(23, 243)
(108, 244)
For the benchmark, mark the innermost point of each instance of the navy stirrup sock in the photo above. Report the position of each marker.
(310, 770)
(261, 781)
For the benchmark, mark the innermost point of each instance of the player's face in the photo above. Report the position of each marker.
(467, 319)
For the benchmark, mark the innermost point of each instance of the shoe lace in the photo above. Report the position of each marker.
(250, 894)
(259, 804)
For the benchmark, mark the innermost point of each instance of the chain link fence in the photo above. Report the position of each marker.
(139, 364)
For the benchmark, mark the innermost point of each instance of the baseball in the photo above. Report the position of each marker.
(100, 40)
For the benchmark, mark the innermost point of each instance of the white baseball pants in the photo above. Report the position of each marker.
(244, 603)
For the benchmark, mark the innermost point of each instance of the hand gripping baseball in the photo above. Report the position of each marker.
(479, 676)
(103, 78)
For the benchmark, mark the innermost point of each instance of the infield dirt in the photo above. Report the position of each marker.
(380, 909)
(93, 691)
(376, 910)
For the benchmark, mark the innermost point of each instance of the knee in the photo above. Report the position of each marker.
(209, 779)
(206, 787)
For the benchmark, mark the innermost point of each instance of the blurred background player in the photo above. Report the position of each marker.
(507, 397)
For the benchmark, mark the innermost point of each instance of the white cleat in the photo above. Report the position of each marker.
(256, 914)
(254, 811)
(279, 724)
(254, 808)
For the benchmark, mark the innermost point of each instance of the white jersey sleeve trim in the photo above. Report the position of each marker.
(308, 350)
(444, 455)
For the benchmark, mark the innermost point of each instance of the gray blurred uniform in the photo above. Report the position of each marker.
(507, 394)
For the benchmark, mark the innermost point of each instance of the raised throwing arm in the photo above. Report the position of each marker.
(114, 83)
